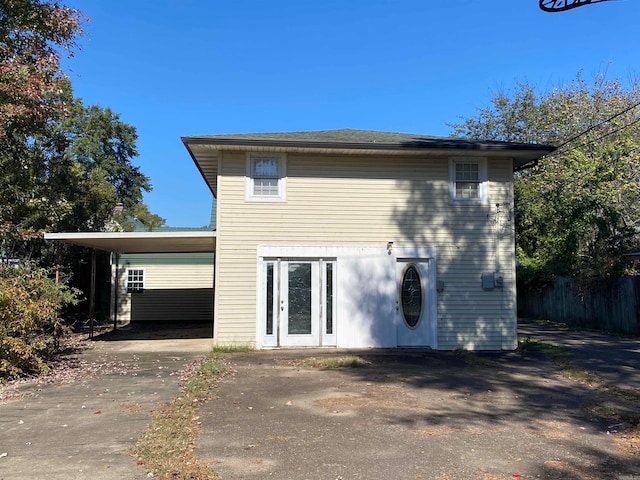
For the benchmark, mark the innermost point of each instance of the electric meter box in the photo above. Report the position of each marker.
(491, 280)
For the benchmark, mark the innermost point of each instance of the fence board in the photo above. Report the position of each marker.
(615, 307)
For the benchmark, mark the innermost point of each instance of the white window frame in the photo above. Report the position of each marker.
(126, 280)
(281, 196)
(482, 198)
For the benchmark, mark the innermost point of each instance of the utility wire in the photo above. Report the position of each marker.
(575, 137)
(611, 133)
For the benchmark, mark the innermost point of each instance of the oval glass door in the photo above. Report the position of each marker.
(415, 321)
(411, 298)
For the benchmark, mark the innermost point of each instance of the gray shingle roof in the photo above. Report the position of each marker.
(352, 138)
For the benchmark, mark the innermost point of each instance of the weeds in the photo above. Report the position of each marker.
(166, 447)
(471, 358)
(347, 361)
(560, 355)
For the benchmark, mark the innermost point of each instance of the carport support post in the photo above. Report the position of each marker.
(92, 292)
(115, 292)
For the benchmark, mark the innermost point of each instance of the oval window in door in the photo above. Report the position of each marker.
(411, 296)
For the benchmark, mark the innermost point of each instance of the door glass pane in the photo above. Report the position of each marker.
(411, 293)
(269, 308)
(329, 301)
(299, 298)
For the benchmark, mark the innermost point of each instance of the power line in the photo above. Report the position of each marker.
(592, 127)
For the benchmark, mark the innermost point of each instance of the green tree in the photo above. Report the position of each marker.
(64, 166)
(99, 139)
(576, 210)
(136, 217)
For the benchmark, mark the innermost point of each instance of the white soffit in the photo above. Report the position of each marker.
(141, 242)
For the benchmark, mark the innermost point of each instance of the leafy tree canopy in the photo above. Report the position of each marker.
(33, 36)
(64, 165)
(578, 209)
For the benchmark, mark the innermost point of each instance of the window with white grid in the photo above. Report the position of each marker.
(135, 280)
(266, 177)
(468, 180)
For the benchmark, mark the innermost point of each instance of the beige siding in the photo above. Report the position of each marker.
(172, 293)
(369, 201)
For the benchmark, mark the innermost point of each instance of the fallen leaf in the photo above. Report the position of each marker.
(98, 412)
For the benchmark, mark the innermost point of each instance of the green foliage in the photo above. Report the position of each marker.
(64, 165)
(99, 139)
(578, 209)
(136, 217)
(30, 323)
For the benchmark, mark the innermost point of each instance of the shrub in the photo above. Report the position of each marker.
(30, 323)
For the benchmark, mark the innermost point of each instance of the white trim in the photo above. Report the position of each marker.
(282, 177)
(141, 242)
(126, 280)
(482, 198)
(128, 235)
(416, 255)
(357, 322)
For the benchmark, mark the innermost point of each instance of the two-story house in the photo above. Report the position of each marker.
(355, 238)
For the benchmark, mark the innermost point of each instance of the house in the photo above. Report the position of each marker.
(355, 238)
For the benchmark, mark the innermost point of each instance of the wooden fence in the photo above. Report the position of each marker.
(614, 307)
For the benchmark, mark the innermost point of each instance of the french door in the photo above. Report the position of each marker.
(298, 303)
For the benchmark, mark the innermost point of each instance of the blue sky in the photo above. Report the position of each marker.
(175, 68)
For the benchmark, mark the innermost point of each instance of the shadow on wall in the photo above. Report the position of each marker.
(370, 304)
(469, 239)
(172, 305)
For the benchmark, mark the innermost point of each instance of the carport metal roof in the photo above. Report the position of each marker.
(141, 242)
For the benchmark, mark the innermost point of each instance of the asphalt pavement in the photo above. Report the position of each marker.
(407, 414)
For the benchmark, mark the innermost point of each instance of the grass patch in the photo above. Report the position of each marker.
(166, 447)
(347, 361)
(471, 358)
(560, 355)
(221, 349)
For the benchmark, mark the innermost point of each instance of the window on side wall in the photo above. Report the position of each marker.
(135, 280)
(266, 177)
(468, 181)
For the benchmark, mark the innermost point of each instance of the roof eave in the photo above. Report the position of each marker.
(412, 147)
(141, 242)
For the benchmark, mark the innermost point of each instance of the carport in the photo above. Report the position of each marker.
(147, 244)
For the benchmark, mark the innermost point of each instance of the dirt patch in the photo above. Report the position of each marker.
(628, 442)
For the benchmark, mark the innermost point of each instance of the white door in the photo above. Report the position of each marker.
(414, 328)
(298, 298)
(299, 304)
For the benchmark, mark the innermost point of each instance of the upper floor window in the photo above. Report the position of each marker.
(266, 177)
(468, 180)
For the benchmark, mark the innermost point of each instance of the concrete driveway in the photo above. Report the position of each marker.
(410, 414)
(81, 424)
